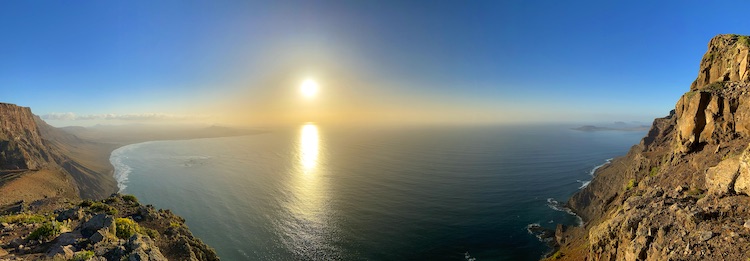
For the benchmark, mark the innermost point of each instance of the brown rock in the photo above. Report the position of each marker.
(720, 178)
(725, 60)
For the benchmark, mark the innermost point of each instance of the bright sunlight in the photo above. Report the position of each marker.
(309, 88)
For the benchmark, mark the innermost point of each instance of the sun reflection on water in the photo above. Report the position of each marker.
(307, 229)
(309, 147)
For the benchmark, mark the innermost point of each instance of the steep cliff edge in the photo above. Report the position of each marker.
(29, 145)
(682, 193)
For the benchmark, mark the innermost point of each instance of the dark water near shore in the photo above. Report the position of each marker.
(317, 193)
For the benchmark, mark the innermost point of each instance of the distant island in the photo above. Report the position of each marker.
(616, 128)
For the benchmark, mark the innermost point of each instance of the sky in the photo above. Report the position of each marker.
(241, 62)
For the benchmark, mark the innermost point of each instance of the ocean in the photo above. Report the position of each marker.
(409, 193)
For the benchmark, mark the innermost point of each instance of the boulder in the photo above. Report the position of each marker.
(65, 251)
(72, 214)
(720, 178)
(96, 223)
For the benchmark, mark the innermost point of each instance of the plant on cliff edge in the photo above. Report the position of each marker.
(83, 255)
(125, 228)
(631, 184)
(47, 231)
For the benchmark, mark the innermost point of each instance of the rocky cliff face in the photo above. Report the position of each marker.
(21, 145)
(27, 143)
(682, 193)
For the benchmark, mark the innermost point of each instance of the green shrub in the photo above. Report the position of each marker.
(125, 227)
(153, 234)
(83, 255)
(654, 171)
(101, 207)
(48, 230)
(174, 225)
(23, 218)
(631, 184)
(556, 255)
(130, 198)
(696, 192)
(86, 203)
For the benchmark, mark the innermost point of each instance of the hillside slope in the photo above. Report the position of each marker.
(682, 193)
(28, 145)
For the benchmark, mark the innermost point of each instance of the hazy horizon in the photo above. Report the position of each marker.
(242, 64)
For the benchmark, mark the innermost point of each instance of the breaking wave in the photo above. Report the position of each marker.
(585, 183)
(122, 170)
(557, 206)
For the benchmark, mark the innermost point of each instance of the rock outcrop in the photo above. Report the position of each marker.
(726, 60)
(683, 193)
(117, 228)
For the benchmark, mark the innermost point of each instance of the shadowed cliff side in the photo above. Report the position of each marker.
(682, 193)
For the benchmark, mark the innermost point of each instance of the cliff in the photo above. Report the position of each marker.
(21, 145)
(682, 192)
(28, 145)
(44, 173)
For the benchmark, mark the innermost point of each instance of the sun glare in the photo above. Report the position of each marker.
(309, 88)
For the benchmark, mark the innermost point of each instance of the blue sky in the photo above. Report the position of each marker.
(503, 61)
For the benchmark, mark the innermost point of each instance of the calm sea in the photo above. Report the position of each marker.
(318, 193)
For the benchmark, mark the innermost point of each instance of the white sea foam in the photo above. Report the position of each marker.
(593, 171)
(555, 205)
(585, 183)
(468, 257)
(122, 170)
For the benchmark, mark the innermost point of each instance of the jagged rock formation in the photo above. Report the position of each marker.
(682, 193)
(117, 228)
(726, 60)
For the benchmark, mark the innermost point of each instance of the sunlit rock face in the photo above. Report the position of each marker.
(21, 146)
(725, 60)
(683, 193)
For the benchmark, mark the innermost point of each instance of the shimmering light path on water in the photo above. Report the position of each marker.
(318, 193)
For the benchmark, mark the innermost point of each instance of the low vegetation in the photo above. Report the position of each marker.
(83, 255)
(631, 184)
(130, 198)
(47, 231)
(654, 171)
(98, 207)
(126, 227)
(23, 218)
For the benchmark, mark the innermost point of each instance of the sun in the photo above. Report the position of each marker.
(309, 88)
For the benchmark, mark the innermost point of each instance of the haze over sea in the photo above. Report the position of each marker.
(314, 192)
